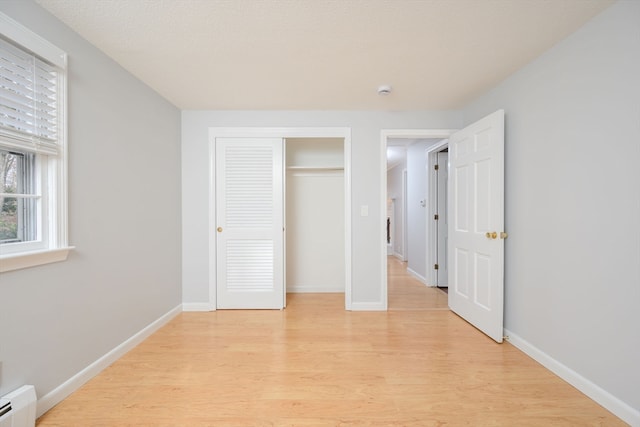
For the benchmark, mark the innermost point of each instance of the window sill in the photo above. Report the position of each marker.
(32, 259)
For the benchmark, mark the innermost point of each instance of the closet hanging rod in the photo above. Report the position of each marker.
(320, 168)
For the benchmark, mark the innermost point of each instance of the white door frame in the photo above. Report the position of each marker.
(280, 132)
(391, 214)
(432, 226)
(385, 135)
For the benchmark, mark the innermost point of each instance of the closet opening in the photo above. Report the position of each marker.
(314, 190)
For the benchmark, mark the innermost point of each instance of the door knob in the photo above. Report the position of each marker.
(491, 235)
(503, 235)
(219, 229)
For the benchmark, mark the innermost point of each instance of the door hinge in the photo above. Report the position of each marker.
(436, 167)
(435, 217)
(436, 266)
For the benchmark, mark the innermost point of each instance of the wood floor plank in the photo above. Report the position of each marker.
(314, 364)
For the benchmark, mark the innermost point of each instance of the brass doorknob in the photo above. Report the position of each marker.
(503, 235)
(491, 235)
(219, 229)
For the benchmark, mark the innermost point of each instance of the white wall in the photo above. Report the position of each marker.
(394, 191)
(315, 232)
(416, 212)
(315, 250)
(124, 220)
(573, 201)
(368, 233)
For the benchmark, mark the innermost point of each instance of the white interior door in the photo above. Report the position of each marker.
(476, 205)
(443, 232)
(249, 222)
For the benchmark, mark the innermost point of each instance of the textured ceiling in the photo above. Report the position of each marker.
(323, 54)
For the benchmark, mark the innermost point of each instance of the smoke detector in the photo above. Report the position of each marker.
(384, 90)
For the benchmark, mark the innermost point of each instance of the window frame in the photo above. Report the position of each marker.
(51, 169)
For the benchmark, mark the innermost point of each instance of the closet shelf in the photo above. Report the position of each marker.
(315, 168)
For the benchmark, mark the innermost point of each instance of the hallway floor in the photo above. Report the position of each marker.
(405, 292)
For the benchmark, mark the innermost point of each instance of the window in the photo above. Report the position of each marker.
(19, 199)
(33, 221)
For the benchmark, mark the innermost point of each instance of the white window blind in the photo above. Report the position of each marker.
(29, 101)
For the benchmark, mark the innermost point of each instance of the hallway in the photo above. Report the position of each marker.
(408, 293)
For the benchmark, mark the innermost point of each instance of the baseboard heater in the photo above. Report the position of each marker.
(18, 408)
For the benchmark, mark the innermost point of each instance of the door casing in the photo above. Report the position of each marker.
(385, 135)
(432, 226)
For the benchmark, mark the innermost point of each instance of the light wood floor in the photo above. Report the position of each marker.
(315, 364)
(407, 293)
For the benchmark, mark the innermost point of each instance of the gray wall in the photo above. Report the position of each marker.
(124, 219)
(368, 233)
(416, 213)
(573, 200)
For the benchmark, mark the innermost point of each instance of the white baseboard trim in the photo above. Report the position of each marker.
(58, 394)
(593, 391)
(197, 306)
(368, 306)
(417, 276)
(398, 255)
(301, 289)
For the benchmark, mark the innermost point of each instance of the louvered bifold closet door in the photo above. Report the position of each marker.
(249, 223)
